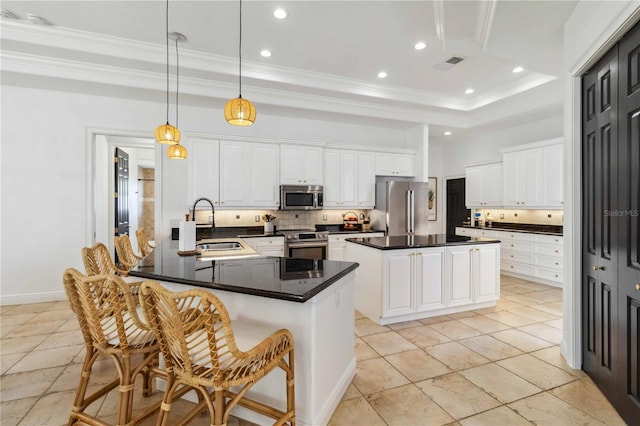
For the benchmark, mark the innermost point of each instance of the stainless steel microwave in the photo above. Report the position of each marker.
(301, 197)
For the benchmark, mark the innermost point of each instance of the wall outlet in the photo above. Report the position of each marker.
(324, 217)
(237, 216)
(501, 215)
(257, 218)
(211, 220)
(297, 216)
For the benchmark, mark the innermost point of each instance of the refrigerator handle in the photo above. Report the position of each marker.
(407, 223)
(412, 223)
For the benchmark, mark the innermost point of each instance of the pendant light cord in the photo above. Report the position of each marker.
(240, 55)
(177, 79)
(167, 39)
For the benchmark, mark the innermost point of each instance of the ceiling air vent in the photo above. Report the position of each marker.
(443, 66)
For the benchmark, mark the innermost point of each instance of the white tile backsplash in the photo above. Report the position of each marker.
(284, 219)
(537, 217)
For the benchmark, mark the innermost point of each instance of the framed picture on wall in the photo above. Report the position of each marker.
(432, 199)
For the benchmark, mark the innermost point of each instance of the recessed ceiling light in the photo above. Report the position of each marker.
(382, 74)
(280, 13)
(518, 69)
(420, 45)
(447, 133)
(469, 91)
(266, 53)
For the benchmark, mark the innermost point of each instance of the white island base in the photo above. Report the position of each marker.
(323, 332)
(405, 284)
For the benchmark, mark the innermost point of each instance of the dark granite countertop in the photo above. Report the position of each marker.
(296, 280)
(419, 241)
(521, 227)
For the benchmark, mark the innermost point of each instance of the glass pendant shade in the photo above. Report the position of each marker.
(240, 112)
(177, 152)
(167, 134)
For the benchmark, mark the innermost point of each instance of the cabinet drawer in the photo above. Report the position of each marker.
(462, 231)
(516, 267)
(258, 242)
(514, 236)
(548, 239)
(548, 262)
(521, 246)
(548, 274)
(514, 256)
(548, 250)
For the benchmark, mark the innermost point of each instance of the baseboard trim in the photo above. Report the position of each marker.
(19, 299)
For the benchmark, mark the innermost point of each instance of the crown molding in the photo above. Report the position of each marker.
(486, 12)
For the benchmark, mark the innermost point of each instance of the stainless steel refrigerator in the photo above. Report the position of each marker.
(401, 207)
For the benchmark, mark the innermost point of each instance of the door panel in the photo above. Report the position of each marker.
(599, 259)
(611, 225)
(628, 218)
(121, 197)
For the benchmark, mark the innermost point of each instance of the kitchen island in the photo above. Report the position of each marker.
(314, 299)
(408, 277)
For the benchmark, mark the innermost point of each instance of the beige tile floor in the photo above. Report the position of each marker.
(493, 366)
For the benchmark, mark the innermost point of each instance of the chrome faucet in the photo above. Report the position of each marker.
(213, 212)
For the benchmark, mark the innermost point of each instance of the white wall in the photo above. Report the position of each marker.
(486, 145)
(46, 180)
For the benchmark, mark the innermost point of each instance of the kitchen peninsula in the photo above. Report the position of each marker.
(314, 299)
(403, 278)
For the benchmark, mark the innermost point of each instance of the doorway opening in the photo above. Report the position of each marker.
(457, 211)
(124, 188)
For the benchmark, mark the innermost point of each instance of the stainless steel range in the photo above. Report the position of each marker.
(305, 243)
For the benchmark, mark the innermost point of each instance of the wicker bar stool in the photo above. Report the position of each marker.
(97, 260)
(106, 310)
(127, 258)
(144, 245)
(198, 345)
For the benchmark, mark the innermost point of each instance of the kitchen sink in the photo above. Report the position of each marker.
(221, 246)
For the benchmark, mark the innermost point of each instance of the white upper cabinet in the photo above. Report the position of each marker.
(522, 177)
(533, 175)
(203, 164)
(301, 165)
(366, 180)
(249, 174)
(341, 175)
(483, 185)
(391, 164)
(553, 176)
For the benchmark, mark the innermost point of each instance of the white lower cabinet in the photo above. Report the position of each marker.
(267, 246)
(338, 245)
(407, 284)
(536, 257)
(413, 281)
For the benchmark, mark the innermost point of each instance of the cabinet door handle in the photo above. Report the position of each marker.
(557, 251)
(510, 255)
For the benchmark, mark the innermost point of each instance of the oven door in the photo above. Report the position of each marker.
(307, 250)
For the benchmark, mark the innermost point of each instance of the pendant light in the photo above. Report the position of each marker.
(166, 133)
(177, 151)
(239, 111)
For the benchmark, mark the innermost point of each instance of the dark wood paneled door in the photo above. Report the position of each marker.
(628, 218)
(121, 195)
(457, 211)
(599, 254)
(611, 224)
